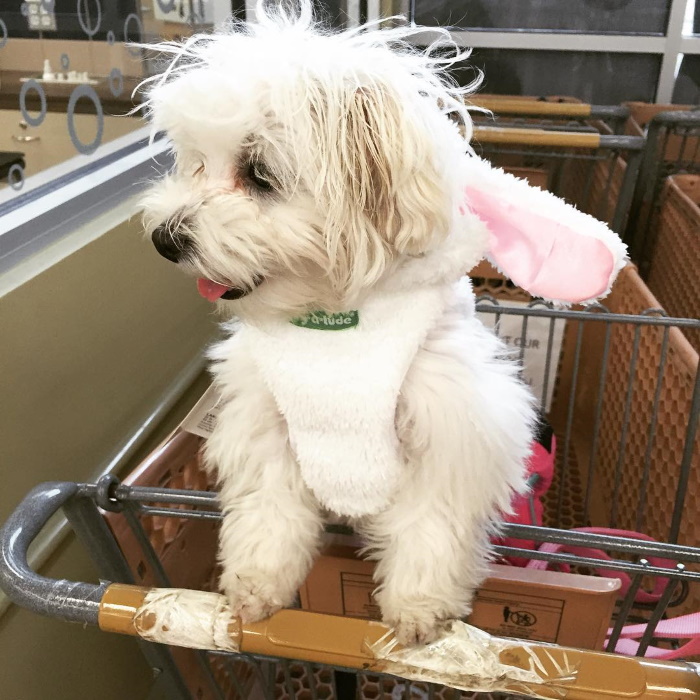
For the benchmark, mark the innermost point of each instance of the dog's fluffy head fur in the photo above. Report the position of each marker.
(311, 162)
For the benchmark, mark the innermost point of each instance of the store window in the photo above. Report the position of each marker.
(68, 71)
(687, 88)
(72, 148)
(67, 77)
(595, 16)
(594, 77)
(602, 51)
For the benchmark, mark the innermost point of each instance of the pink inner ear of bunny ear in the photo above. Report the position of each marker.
(542, 255)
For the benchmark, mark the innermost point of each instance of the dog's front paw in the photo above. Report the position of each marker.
(253, 597)
(416, 627)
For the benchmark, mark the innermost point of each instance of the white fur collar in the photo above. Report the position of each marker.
(446, 263)
(338, 390)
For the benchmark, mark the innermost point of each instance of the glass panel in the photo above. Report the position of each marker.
(691, 24)
(598, 78)
(687, 89)
(66, 78)
(31, 16)
(597, 16)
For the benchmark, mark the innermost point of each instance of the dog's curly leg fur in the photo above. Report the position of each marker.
(431, 544)
(271, 528)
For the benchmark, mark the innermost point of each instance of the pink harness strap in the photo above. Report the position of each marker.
(685, 627)
(682, 627)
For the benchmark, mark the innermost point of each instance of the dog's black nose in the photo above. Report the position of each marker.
(170, 243)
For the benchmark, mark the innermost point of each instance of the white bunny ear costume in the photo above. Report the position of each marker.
(337, 379)
(544, 245)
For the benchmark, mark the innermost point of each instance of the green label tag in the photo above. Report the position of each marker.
(321, 321)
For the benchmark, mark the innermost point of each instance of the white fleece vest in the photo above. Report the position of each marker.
(338, 390)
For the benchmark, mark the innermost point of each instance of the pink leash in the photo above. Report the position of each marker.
(685, 627)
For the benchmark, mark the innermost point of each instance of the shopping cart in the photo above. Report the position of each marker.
(622, 389)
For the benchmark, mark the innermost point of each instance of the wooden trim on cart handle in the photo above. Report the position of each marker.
(532, 108)
(345, 642)
(535, 137)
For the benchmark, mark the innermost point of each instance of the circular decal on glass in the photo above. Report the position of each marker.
(15, 176)
(166, 5)
(24, 9)
(116, 82)
(111, 38)
(89, 92)
(134, 51)
(26, 87)
(85, 18)
(65, 61)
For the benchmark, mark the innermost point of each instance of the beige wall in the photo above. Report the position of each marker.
(86, 349)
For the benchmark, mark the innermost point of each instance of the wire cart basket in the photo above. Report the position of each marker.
(621, 388)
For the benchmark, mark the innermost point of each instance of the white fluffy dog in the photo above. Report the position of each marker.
(325, 193)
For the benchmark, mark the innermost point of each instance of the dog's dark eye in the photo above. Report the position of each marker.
(260, 176)
(199, 170)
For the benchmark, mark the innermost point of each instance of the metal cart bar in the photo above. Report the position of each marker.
(536, 137)
(66, 600)
(678, 118)
(151, 494)
(62, 599)
(542, 108)
(596, 312)
(566, 139)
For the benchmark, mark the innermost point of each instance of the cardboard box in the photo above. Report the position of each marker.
(548, 606)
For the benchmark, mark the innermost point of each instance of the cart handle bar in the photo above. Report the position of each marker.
(517, 106)
(534, 108)
(66, 600)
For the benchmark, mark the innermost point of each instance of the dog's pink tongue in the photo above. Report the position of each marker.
(211, 291)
